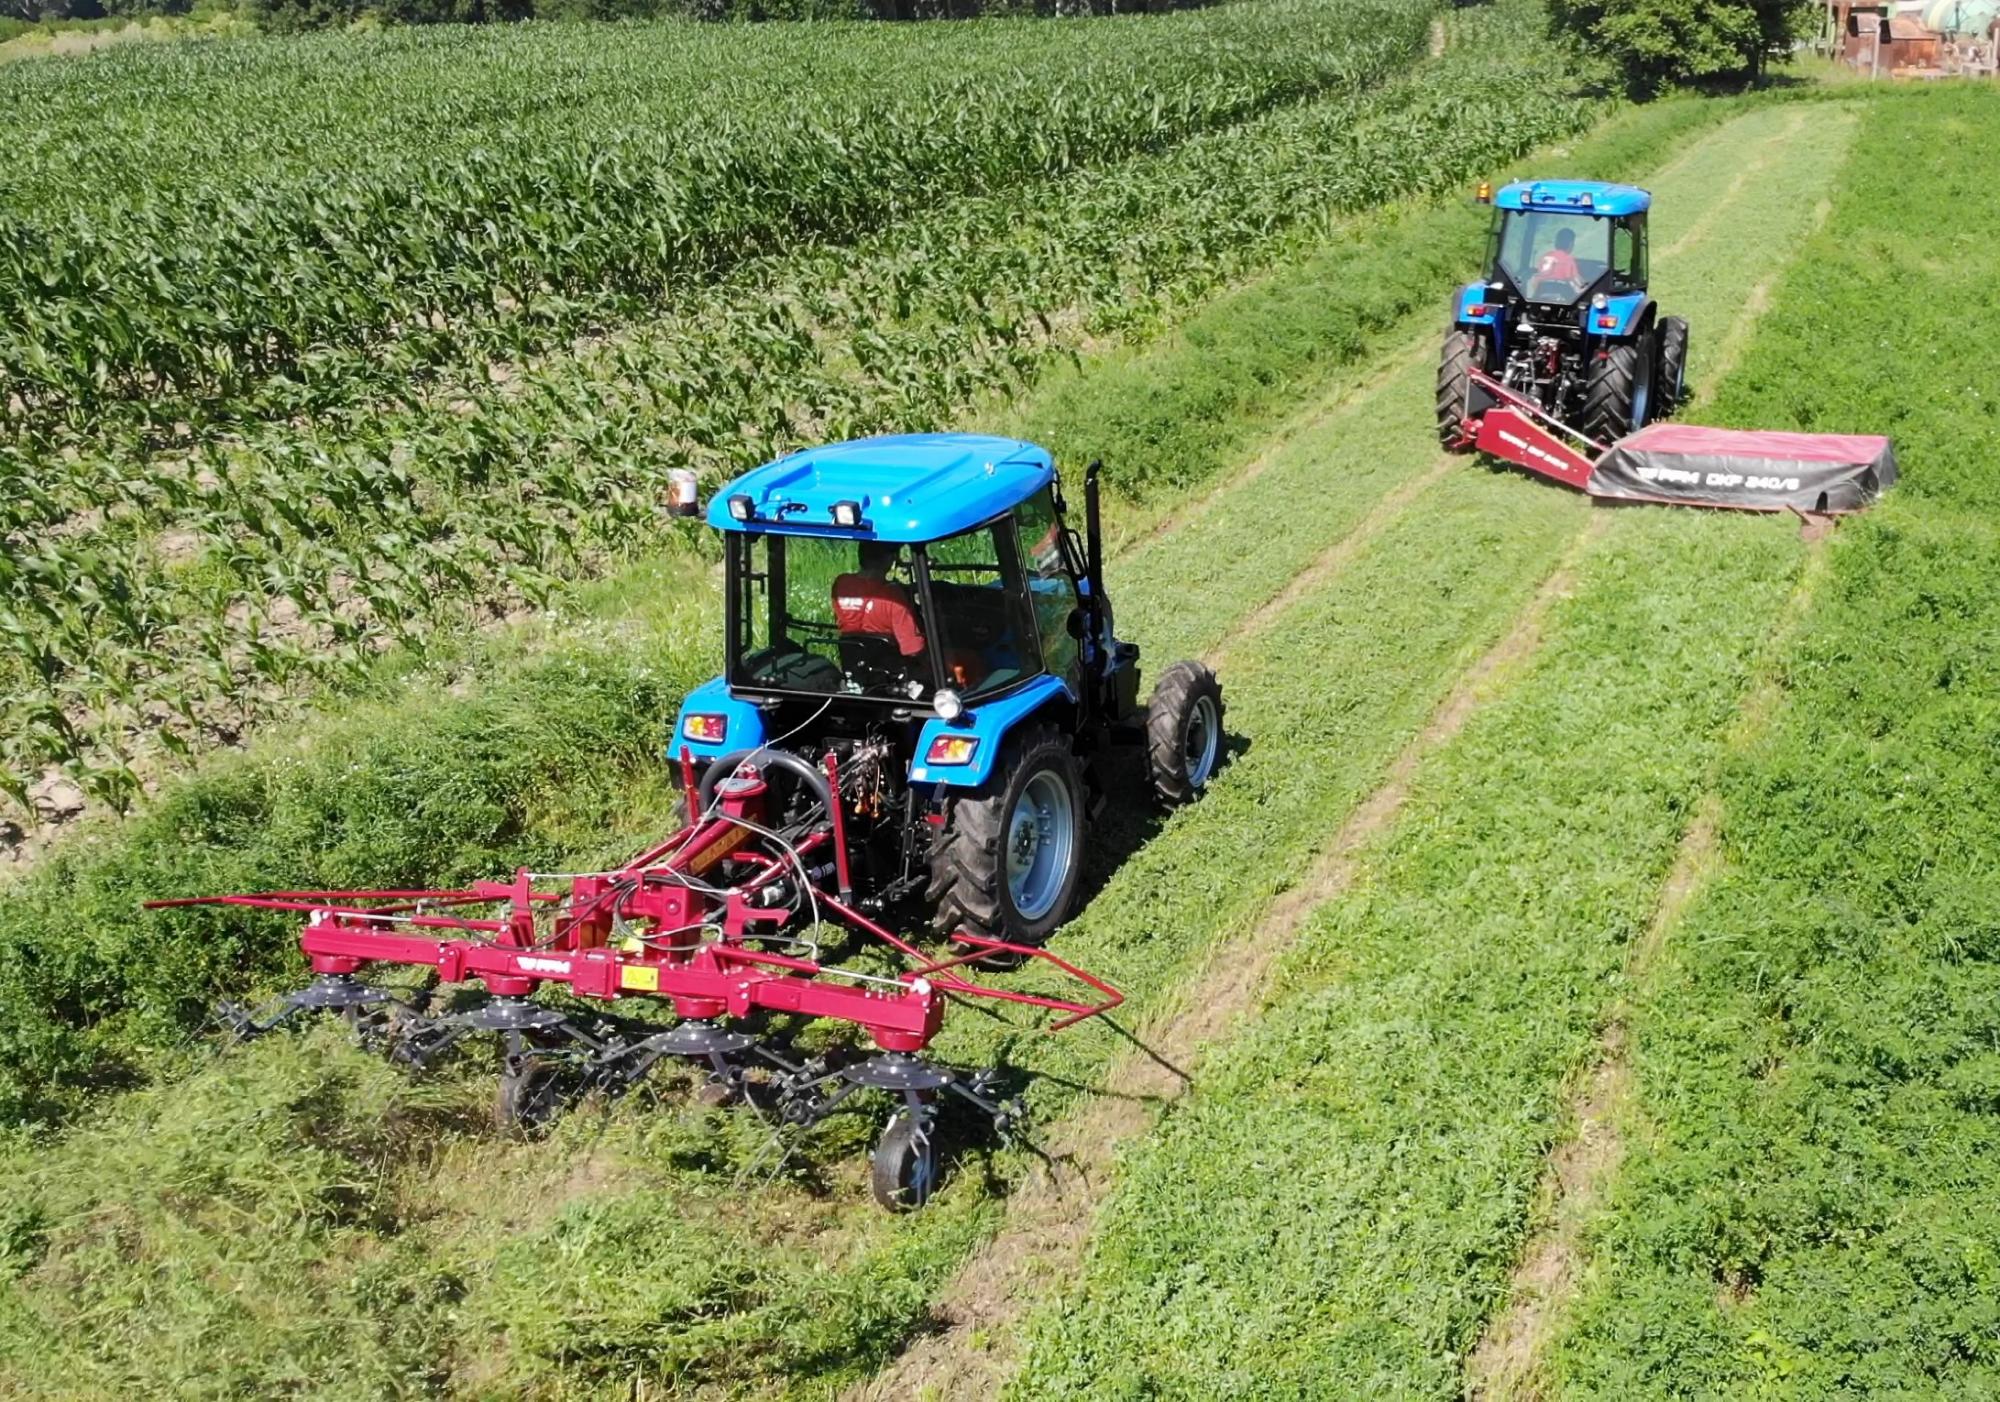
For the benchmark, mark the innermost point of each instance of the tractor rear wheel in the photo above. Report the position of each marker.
(1671, 390)
(1618, 398)
(1462, 351)
(1184, 731)
(1010, 856)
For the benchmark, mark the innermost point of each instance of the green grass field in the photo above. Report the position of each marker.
(1524, 718)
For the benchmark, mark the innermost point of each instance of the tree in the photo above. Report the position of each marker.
(1659, 43)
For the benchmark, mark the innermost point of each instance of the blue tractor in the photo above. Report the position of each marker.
(917, 635)
(1563, 317)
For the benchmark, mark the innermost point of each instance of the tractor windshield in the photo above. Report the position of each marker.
(1557, 256)
(826, 615)
(862, 618)
(985, 630)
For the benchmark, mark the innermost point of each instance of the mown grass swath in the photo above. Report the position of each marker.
(288, 551)
(1806, 1203)
(1343, 1195)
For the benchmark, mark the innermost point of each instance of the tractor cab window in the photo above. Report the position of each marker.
(826, 615)
(1052, 596)
(986, 641)
(1628, 253)
(1550, 255)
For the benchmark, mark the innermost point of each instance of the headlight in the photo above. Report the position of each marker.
(947, 704)
(1600, 301)
(741, 508)
(847, 514)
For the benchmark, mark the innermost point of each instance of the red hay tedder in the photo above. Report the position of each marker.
(691, 921)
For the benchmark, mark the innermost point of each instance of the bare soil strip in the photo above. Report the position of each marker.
(1507, 1365)
(1051, 1215)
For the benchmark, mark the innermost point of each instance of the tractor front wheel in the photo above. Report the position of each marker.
(1462, 351)
(1184, 731)
(1618, 398)
(1010, 856)
(1671, 391)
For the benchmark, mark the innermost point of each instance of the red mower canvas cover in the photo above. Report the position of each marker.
(1751, 470)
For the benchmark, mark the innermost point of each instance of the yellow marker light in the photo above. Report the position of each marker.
(952, 749)
(1484, 194)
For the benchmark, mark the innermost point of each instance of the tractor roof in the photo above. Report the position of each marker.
(911, 487)
(1573, 196)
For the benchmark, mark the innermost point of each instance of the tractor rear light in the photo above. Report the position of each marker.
(706, 729)
(1476, 309)
(1607, 323)
(952, 749)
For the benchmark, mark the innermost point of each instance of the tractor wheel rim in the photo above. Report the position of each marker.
(1201, 741)
(1041, 835)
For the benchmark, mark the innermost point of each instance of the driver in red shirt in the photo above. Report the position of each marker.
(870, 604)
(1558, 264)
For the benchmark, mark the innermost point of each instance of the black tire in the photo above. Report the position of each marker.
(1617, 399)
(1184, 715)
(1670, 383)
(969, 887)
(902, 1171)
(1462, 351)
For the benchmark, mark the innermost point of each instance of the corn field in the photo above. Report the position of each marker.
(412, 335)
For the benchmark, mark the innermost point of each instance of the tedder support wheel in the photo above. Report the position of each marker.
(1461, 352)
(903, 1169)
(1618, 398)
(1007, 862)
(529, 1095)
(1184, 731)
(1670, 383)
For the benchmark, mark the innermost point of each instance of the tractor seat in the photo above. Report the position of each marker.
(872, 659)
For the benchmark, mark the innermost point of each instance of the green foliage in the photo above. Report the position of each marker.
(551, 759)
(1660, 43)
(1344, 1191)
(267, 544)
(1809, 1210)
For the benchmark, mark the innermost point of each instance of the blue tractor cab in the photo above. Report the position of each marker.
(917, 617)
(1563, 316)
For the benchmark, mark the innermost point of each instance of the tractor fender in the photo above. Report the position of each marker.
(989, 723)
(743, 723)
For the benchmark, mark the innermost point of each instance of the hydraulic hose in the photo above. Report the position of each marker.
(723, 767)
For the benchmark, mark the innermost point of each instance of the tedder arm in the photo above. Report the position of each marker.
(723, 921)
